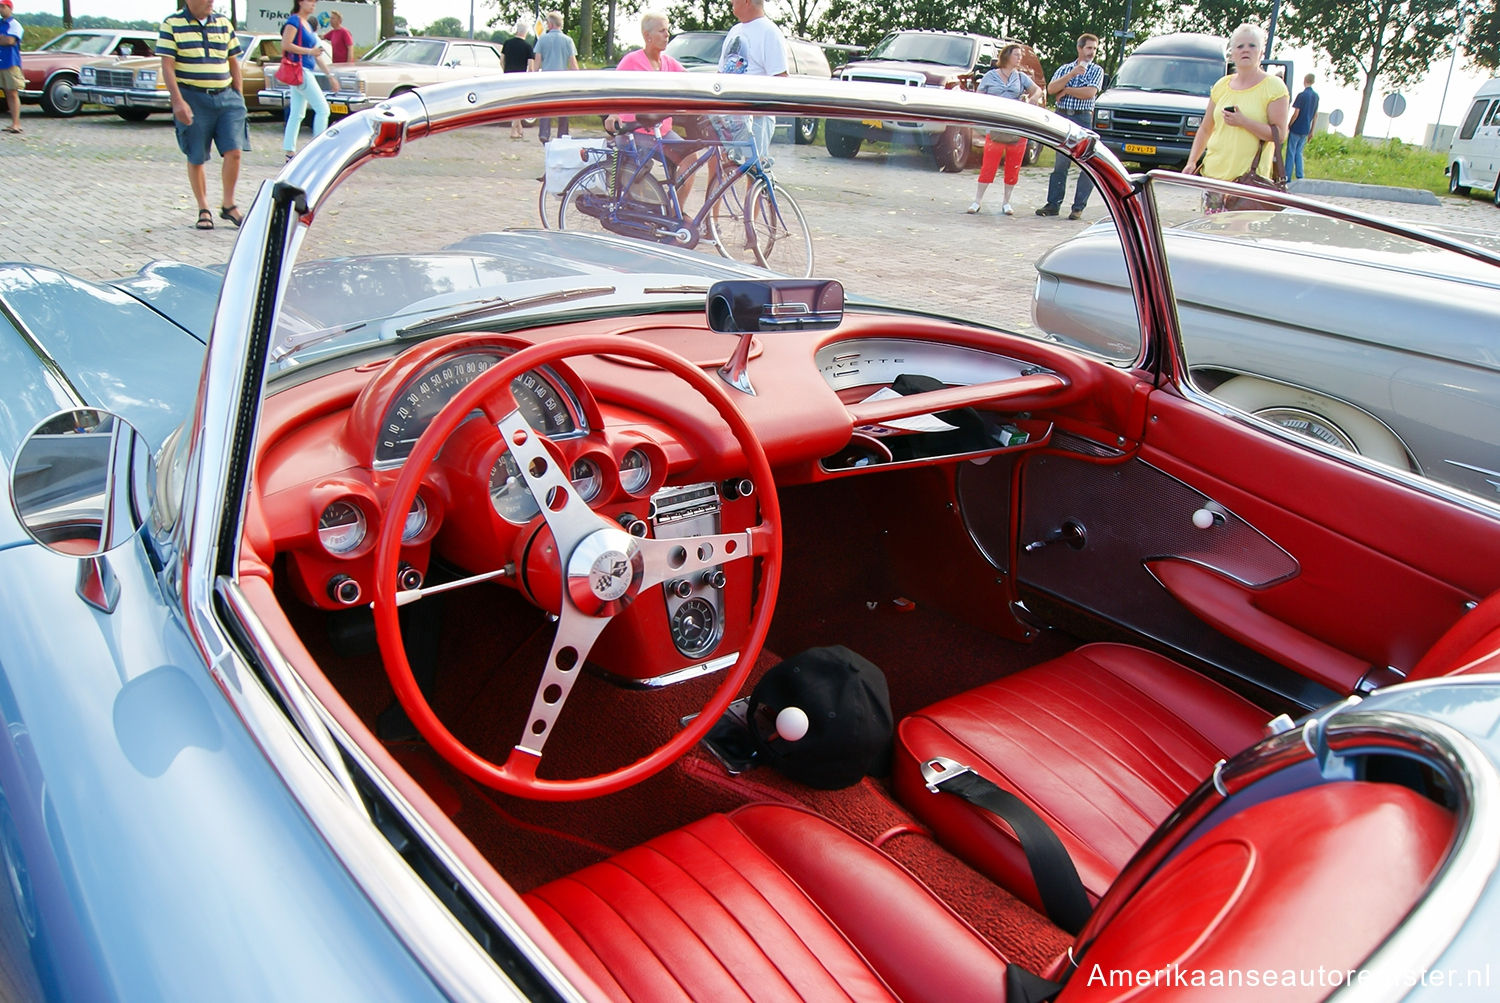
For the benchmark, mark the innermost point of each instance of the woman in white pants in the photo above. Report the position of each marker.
(299, 39)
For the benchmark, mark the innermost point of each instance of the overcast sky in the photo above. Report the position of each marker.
(1422, 97)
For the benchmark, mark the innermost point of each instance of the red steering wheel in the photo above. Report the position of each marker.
(604, 568)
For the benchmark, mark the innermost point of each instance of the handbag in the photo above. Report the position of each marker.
(290, 70)
(1276, 182)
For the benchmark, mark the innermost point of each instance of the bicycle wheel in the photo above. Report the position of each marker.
(589, 206)
(726, 222)
(783, 243)
(542, 206)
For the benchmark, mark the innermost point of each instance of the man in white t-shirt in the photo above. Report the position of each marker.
(755, 46)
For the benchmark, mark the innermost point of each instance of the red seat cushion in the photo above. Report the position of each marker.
(1103, 743)
(768, 902)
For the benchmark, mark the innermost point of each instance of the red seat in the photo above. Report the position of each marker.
(768, 902)
(1103, 743)
(1269, 891)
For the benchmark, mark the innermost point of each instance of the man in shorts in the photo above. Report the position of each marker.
(11, 80)
(553, 51)
(756, 46)
(201, 68)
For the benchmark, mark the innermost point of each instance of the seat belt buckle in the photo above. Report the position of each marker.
(940, 769)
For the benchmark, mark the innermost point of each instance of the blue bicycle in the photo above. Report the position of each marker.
(746, 213)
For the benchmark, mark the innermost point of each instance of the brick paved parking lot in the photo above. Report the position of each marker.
(101, 197)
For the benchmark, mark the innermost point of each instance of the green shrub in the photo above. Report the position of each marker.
(1334, 157)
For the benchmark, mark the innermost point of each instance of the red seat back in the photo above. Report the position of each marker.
(1275, 889)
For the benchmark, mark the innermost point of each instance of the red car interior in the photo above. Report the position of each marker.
(690, 885)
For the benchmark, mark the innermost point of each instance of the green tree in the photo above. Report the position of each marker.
(1051, 28)
(700, 15)
(1481, 40)
(450, 27)
(1367, 40)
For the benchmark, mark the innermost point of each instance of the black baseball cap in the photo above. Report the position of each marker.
(848, 707)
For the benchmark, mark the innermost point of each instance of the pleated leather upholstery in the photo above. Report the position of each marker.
(770, 902)
(1103, 742)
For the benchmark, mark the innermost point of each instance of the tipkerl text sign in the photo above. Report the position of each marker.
(362, 19)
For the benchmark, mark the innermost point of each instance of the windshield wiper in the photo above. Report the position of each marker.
(669, 290)
(496, 305)
(294, 343)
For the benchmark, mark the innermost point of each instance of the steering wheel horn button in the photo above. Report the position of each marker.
(604, 572)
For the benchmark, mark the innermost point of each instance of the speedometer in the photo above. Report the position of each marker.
(541, 403)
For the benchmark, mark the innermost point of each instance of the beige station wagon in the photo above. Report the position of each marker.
(397, 65)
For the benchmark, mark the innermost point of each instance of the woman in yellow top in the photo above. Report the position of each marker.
(1242, 107)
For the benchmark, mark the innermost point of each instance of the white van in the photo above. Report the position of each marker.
(1474, 158)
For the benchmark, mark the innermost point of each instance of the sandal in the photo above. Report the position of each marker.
(13, 129)
(205, 219)
(231, 213)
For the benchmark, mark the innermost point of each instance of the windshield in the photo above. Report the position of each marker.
(454, 234)
(93, 45)
(1170, 73)
(697, 48)
(406, 50)
(918, 47)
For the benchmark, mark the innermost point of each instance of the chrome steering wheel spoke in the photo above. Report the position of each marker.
(576, 634)
(690, 556)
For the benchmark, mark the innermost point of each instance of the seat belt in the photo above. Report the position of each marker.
(1057, 881)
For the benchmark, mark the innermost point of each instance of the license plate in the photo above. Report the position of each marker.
(1139, 148)
(110, 99)
(338, 108)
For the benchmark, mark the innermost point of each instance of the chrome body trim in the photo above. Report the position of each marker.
(289, 687)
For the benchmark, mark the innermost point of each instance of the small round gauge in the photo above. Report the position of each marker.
(635, 471)
(586, 478)
(509, 492)
(341, 527)
(539, 399)
(416, 521)
(695, 626)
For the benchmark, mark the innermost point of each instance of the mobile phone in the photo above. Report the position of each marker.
(1230, 107)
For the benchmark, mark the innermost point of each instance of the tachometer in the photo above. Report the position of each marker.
(512, 497)
(509, 493)
(542, 403)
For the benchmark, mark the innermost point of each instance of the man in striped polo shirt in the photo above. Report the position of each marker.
(201, 68)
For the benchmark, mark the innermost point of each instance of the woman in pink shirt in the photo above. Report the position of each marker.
(656, 31)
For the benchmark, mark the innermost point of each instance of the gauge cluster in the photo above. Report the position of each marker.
(473, 506)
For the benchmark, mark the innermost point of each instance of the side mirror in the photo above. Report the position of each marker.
(80, 482)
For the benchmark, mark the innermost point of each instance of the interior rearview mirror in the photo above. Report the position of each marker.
(739, 306)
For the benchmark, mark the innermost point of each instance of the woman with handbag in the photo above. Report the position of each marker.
(1246, 110)
(1007, 80)
(300, 58)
